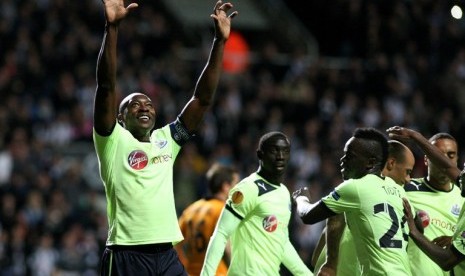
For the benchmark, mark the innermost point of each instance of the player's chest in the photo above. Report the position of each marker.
(150, 156)
(273, 206)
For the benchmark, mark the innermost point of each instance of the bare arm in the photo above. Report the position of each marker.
(318, 248)
(431, 151)
(193, 113)
(334, 228)
(105, 96)
(446, 258)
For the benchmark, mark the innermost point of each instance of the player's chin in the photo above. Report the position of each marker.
(146, 125)
(280, 169)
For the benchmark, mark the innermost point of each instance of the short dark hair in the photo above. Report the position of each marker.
(124, 102)
(217, 175)
(380, 145)
(267, 137)
(441, 135)
(396, 150)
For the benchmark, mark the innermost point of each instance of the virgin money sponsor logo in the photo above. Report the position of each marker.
(138, 160)
(270, 223)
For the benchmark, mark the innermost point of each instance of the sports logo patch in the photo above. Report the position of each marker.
(237, 197)
(161, 144)
(455, 210)
(138, 160)
(270, 223)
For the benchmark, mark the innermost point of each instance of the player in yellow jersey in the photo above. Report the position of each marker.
(198, 220)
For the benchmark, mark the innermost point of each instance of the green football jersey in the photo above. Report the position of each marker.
(373, 208)
(443, 209)
(138, 180)
(257, 245)
(347, 263)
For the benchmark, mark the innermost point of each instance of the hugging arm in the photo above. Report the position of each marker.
(446, 258)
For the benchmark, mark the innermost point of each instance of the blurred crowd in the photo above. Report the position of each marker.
(398, 63)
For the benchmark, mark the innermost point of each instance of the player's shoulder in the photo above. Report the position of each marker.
(247, 182)
(245, 186)
(418, 185)
(364, 181)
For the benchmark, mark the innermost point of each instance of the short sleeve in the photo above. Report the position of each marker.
(343, 198)
(242, 199)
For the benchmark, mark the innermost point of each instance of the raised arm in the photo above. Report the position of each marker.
(193, 113)
(105, 102)
(431, 151)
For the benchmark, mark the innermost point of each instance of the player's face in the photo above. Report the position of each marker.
(401, 171)
(354, 161)
(275, 157)
(139, 115)
(449, 148)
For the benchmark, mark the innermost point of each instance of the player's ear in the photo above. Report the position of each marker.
(371, 162)
(259, 154)
(390, 164)
(120, 119)
(426, 160)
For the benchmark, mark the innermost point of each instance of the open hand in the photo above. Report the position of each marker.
(115, 10)
(222, 19)
(301, 192)
(408, 216)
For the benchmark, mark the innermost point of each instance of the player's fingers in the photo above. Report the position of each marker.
(217, 6)
(233, 14)
(132, 6)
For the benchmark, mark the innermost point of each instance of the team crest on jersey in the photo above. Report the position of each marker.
(237, 197)
(161, 144)
(455, 209)
(270, 223)
(138, 159)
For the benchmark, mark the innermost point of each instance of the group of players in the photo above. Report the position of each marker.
(242, 228)
(369, 236)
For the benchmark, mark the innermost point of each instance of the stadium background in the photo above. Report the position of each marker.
(314, 72)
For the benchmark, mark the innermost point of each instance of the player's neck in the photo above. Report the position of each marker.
(444, 185)
(271, 178)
